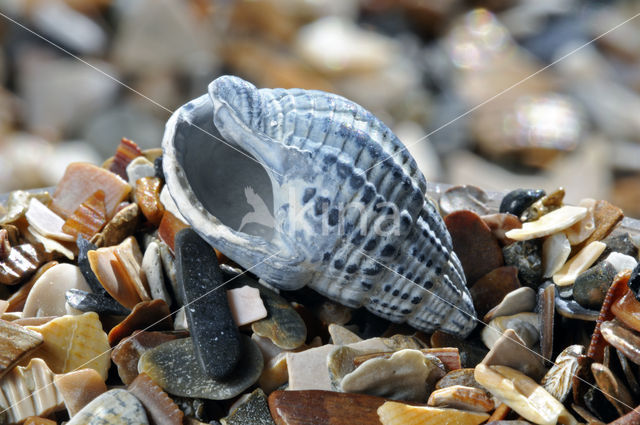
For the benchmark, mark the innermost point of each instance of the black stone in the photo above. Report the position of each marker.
(619, 243)
(157, 166)
(634, 281)
(215, 335)
(87, 301)
(517, 201)
(591, 286)
(84, 246)
(598, 404)
(526, 256)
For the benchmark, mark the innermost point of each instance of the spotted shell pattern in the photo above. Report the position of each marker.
(351, 218)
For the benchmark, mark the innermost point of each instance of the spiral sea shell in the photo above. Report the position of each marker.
(333, 201)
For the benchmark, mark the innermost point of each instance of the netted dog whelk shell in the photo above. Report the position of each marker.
(333, 201)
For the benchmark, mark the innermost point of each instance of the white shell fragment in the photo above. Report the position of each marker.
(246, 305)
(585, 227)
(47, 297)
(526, 325)
(152, 269)
(550, 223)
(579, 263)
(555, 252)
(523, 395)
(518, 301)
(621, 262)
(557, 381)
(46, 222)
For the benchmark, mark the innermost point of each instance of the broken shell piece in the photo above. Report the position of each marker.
(519, 301)
(23, 260)
(29, 391)
(147, 196)
(543, 206)
(585, 227)
(461, 397)
(558, 380)
(169, 227)
(18, 203)
(623, 339)
(274, 374)
(51, 246)
(612, 388)
(120, 227)
(462, 377)
(88, 218)
(46, 222)
(548, 224)
(17, 300)
(523, 395)
(5, 244)
(126, 152)
(246, 305)
(621, 262)
(510, 350)
(152, 269)
(115, 407)
(71, 342)
(579, 263)
(341, 335)
(161, 409)
(526, 326)
(147, 315)
(16, 342)
(555, 252)
(80, 181)
(47, 297)
(79, 388)
(139, 168)
(393, 413)
(464, 197)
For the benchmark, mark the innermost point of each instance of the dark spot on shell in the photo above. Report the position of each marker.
(429, 263)
(333, 217)
(357, 238)
(393, 307)
(421, 258)
(369, 193)
(405, 311)
(438, 270)
(388, 250)
(351, 268)
(517, 201)
(409, 275)
(404, 296)
(372, 270)
(378, 204)
(326, 257)
(338, 264)
(416, 300)
(321, 205)
(370, 245)
(428, 284)
(343, 169)
(330, 159)
(395, 292)
(366, 285)
(356, 181)
(386, 287)
(309, 193)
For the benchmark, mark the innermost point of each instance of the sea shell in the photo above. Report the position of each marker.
(338, 202)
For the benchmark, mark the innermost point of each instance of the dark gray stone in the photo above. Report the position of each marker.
(254, 410)
(619, 243)
(215, 335)
(85, 246)
(591, 286)
(101, 304)
(526, 256)
(518, 200)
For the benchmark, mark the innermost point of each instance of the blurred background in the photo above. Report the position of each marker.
(469, 74)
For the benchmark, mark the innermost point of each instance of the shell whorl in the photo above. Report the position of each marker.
(350, 201)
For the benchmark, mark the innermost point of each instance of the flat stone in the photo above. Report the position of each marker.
(246, 305)
(526, 326)
(72, 342)
(152, 269)
(47, 297)
(393, 413)
(555, 252)
(517, 301)
(254, 410)
(606, 216)
(464, 197)
(518, 200)
(323, 408)
(120, 227)
(79, 388)
(18, 203)
(16, 342)
(550, 223)
(128, 351)
(87, 301)
(463, 398)
(115, 407)
(558, 380)
(612, 388)
(491, 288)
(578, 263)
(624, 340)
(510, 350)
(462, 377)
(500, 224)
(621, 262)
(215, 335)
(147, 315)
(158, 405)
(627, 310)
(526, 256)
(174, 366)
(591, 286)
(474, 244)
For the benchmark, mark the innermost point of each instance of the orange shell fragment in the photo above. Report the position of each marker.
(126, 152)
(147, 196)
(88, 218)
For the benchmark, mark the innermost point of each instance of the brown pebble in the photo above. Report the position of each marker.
(491, 288)
(127, 353)
(161, 409)
(547, 309)
(146, 315)
(121, 226)
(16, 342)
(631, 418)
(474, 244)
(78, 388)
(605, 216)
(500, 224)
(169, 227)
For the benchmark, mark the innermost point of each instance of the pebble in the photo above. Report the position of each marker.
(399, 377)
(138, 168)
(330, 312)
(46, 222)
(474, 244)
(585, 227)
(526, 326)
(393, 413)
(517, 301)
(624, 340)
(471, 352)
(500, 224)
(146, 315)
(619, 243)
(215, 335)
(573, 310)
(274, 374)
(612, 388)
(29, 391)
(591, 286)
(510, 350)
(463, 398)
(87, 301)
(462, 377)
(152, 268)
(126, 152)
(84, 246)
(578, 263)
(147, 196)
(606, 216)
(491, 288)
(246, 305)
(47, 296)
(523, 395)
(621, 262)
(169, 227)
(158, 405)
(173, 366)
(16, 342)
(126, 354)
(544, 205)
(254, 410)
(71, 342)
(555, 252)
(115, 407)
(464, 197)
(627, 310)
(518, 200)
(557, 381)
(550, 223)
(526, 256)
(120, 227)
(78, 388)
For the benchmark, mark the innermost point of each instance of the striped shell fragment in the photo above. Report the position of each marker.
(335, 201)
